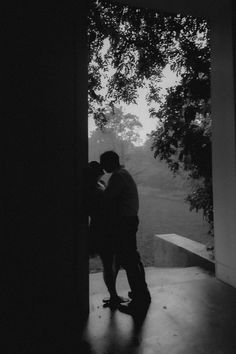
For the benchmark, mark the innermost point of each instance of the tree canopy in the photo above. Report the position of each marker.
(140, 43)
(119, 134)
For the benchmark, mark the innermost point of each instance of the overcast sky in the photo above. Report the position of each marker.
(141, 108)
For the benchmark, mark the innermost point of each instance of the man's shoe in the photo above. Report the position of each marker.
(144, 297)
(134, 308)
(137, 306)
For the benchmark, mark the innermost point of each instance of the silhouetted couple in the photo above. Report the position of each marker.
(113, 211)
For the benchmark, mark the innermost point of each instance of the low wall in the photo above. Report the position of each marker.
(171, 250)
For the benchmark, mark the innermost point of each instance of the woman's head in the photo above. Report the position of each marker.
(94, 171)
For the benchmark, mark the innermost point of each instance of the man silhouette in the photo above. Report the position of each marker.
(122, 195)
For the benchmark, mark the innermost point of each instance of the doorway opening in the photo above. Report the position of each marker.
(149, 72)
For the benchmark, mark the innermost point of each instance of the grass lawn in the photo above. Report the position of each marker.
(161, 213)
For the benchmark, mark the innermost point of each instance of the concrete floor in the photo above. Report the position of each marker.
(191, 313)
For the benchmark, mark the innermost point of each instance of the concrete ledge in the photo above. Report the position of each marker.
(171, 250)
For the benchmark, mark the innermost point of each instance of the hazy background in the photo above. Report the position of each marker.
(162, 196)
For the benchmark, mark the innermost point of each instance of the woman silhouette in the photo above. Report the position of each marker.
(100, 236)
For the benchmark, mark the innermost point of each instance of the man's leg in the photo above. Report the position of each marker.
(136, 275)
(130, 259)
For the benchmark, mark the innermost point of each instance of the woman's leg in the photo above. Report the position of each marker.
(110, 271)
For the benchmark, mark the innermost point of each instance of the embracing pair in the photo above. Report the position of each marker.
(113, 212)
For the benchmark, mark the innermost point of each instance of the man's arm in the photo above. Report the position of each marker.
(114, 186)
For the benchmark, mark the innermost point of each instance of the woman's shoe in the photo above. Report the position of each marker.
(113, 302)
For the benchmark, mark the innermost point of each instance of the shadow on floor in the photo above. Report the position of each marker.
(191, 313)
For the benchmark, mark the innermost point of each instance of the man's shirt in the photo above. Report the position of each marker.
(122, 191)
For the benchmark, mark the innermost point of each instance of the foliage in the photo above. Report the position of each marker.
(183, 138)
(119, 133)
(123, 125)
(140, 43)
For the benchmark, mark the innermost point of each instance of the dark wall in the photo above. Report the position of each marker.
(44, 107)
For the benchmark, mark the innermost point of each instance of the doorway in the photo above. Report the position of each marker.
(163, 185)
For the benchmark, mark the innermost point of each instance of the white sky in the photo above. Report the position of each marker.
(141, 108)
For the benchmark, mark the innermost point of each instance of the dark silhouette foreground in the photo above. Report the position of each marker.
(122, 197)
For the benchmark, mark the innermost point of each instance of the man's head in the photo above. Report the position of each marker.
(110, 161)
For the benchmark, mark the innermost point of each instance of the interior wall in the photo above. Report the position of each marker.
(198, 8)
(43, 248)
(224, 152)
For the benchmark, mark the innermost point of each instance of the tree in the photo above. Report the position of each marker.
(183, 138)
(141, 43)
(119, 133)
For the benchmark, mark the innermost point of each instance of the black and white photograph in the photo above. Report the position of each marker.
(120, 194)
